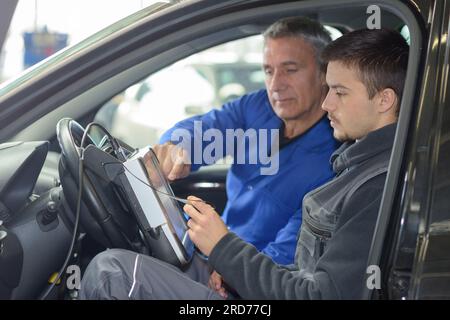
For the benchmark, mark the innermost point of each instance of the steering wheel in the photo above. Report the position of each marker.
(104, 222)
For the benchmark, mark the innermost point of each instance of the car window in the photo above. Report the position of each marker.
(192, 86)
(404, 31)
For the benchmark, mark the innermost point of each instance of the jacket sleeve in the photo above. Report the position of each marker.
(339, 274)
(232, 115)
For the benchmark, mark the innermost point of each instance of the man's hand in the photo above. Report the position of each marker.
(206, 227)
(216, 283)
(174, 160)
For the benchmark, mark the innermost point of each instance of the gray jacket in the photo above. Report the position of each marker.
(334, 241)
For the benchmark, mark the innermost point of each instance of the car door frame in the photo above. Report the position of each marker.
(401, 228)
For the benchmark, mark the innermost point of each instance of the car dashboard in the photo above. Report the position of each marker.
(35, 227)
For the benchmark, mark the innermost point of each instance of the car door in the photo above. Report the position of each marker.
(415, 250)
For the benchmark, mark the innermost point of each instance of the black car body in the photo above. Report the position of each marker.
(411, 244)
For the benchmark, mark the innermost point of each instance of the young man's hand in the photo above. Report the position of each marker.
(174, 160)
(216, 283)
(206, 227)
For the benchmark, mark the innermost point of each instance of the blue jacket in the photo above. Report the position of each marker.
(266, 210)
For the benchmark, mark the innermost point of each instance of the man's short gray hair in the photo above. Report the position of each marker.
(309, 30)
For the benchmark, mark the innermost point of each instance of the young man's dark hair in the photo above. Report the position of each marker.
(380, 66)
(301, 27)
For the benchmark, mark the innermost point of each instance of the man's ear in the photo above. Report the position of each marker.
(387, 100)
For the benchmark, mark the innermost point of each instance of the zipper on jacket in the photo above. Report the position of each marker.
(322, 243)
(322, 234)
(320, 231)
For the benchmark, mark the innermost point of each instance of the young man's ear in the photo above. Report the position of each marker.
(387, 100)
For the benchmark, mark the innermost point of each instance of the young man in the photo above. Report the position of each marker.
(366, 72)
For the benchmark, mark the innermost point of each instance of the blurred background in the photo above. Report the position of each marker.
(38, 28)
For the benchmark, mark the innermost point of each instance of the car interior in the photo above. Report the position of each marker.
(39, 177)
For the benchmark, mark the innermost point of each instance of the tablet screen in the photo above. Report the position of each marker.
(170, 206)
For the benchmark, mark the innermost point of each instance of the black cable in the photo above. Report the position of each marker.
(75, 231)
(118, 150)
(77, 214)
(114, 143)
(182, 200)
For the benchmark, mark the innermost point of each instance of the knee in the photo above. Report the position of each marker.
(110, 265)
(112, 261)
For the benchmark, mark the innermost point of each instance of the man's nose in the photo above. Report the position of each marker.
(327, 103)
(277, 81)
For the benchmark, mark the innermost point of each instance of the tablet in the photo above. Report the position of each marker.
(161, 220)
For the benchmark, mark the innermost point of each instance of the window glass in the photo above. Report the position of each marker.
(334, 32)
(192, 86)
(40, 28)
(405, 33)
(188, 87)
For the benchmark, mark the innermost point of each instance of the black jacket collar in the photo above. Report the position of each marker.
(353, 153)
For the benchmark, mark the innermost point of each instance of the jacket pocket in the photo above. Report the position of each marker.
(306, 250)
(307, 241)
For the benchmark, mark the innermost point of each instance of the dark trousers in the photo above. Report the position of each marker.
(122, 274)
